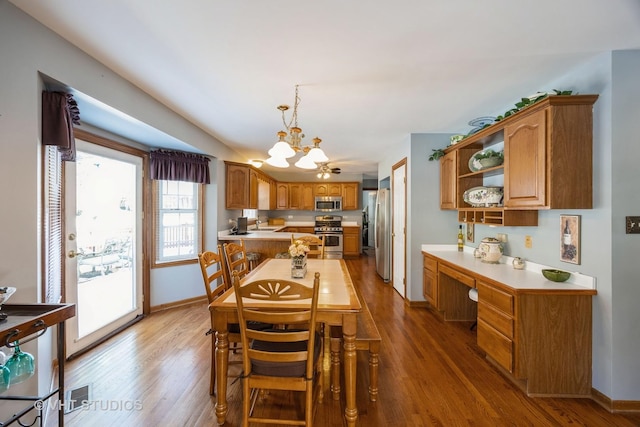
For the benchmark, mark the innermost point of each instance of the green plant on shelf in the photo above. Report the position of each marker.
(523, 103)
(437, 153)
(527, 102)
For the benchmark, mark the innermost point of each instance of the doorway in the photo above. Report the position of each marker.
(103, 239)
(399, 221)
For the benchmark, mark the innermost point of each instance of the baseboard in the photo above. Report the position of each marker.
(180, 303)
(416, 304)
(615, 406)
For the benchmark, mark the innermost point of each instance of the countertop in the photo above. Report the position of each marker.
(529, 279)
(272, 232)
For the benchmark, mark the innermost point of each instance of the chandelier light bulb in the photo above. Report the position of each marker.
(306, 163)
(317, 155)
(282, 149)
(278, 162)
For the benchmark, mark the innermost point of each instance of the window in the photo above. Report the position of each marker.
(178, 221)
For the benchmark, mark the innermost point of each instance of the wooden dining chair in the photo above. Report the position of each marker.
(236, 259)
(213, 268)
(315, 244)
(280, 359)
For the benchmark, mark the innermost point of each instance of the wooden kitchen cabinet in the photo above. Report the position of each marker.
(548, 156)
(300, 195)
(253, 189)
(429, 280)
(282, 195)
(496, 324)
(328, 189)
(539, 338)
(543, 339)
(295, 195)
(350, 196)
(448, 180)
(237, 186)
(351, 241)
(547, 163)
(308, 196)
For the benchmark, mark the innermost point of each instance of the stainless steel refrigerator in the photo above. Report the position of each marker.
(382, 234)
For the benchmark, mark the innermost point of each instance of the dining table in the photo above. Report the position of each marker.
(338, 305)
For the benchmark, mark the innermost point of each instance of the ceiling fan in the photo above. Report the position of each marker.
(324, 171)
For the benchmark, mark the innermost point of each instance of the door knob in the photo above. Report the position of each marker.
(72, 254)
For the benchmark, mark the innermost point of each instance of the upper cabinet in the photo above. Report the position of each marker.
(547, 163)
(448, 180)
(329, 189)
(350, 196)
(249, 188)
(237, 195)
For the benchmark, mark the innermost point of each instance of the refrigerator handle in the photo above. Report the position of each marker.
(377, 229)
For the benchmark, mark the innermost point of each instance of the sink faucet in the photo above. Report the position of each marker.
(258, 222)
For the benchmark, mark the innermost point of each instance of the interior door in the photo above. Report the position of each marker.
(399, 219)
(103, 236)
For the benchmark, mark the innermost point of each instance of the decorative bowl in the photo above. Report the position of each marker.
(555, 275)
(5, 293)
(480, 197)
(479, 162)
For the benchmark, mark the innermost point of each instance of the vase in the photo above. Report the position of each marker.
(20, 365)
(298, 267)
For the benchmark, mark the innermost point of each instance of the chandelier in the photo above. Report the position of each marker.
(290, 143)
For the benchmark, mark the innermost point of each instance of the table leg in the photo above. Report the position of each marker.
(334, 345)
(349, 340)
(222, 362)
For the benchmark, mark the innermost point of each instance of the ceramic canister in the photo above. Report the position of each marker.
(491, 250)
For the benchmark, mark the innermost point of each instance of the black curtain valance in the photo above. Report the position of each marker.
(179, 166)
(59, 113)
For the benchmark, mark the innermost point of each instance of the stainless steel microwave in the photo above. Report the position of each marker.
(328, 204)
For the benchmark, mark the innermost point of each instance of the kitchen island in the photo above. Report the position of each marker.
(268, 240)
(537, 332)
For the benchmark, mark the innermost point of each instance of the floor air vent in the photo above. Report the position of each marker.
(74, 398)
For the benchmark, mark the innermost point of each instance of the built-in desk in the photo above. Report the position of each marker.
(537, 331)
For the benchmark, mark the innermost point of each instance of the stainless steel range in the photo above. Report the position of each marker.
(330, 226)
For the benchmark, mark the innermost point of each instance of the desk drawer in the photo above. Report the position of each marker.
(497, 346)
(457, 275)
(430, 263)
(500, 321)
(495, 297)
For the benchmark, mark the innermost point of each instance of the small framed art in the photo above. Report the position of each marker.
(470, 232)
(570, 238)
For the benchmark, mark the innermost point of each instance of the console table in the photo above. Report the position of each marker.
(27, 322)
(537, 332)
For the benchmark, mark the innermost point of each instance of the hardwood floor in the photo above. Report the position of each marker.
(431, 373)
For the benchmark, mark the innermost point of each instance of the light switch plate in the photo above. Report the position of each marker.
(633, 225)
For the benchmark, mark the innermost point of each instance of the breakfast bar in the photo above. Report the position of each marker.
(537, 332)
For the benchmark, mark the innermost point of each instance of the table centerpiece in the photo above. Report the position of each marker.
(298, 251)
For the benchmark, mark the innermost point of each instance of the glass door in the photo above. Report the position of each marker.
(103, 274)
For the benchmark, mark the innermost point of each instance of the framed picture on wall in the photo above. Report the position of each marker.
(570, 238)
(470, 232)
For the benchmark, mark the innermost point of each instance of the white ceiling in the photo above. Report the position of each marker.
(370, 72)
